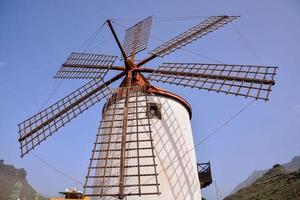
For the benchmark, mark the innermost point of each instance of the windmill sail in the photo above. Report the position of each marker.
(243, 80)
(123, 157)
(39, 127)
(137, 37)
(207, 26)
(85, 66)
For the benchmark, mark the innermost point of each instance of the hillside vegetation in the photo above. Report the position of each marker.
(276, 184)
(291, 166)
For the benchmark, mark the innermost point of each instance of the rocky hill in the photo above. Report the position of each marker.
(294, 165)
(13, 184)
(276, 184)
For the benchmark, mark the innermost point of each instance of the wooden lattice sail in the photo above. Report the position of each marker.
(85, 65)
(137, 37)
(242, 80)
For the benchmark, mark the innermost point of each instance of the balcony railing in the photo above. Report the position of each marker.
(204, 174)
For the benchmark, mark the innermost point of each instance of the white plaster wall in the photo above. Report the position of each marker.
(175, 157)
(175, 154)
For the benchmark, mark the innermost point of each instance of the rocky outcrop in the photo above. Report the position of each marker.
(13, 183)
(292, 166)
(276, 184)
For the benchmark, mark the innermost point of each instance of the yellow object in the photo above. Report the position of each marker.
(71, 194)
(58, 198)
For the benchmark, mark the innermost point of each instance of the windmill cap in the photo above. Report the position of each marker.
(160, 92)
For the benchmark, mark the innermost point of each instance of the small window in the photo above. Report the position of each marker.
(154, 110)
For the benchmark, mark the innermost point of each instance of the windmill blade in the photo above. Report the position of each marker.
(123, 154)
(243, 80)
(37, 128)
(137, 37)
(85, 66)
(205, 27)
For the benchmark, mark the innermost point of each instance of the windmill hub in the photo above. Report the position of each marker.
(137, 79)
(131, 65)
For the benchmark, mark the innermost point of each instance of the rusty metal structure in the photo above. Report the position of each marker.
(125, 125)
(204, 174)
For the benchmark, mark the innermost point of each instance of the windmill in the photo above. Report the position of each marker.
(142, 148)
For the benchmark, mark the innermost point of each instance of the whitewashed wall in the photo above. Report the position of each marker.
(173, 144)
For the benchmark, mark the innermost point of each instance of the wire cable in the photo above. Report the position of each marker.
(247, 43)
(91, 38)
(106, 39)
(160, 19)
(51, 94)
(56, 169)
(191, 51)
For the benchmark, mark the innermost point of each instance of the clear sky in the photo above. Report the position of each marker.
(36, 37)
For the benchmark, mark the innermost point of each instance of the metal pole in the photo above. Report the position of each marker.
(217, 191)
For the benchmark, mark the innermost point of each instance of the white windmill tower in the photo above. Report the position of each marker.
(143, 146)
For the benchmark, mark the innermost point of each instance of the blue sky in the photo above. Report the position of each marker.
(37, 36)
